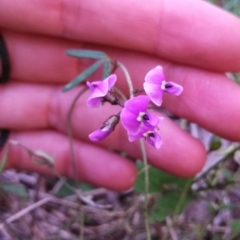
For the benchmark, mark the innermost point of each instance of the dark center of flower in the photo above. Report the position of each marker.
(168, 85)
(142, 116)
(145, 117)
(149, 134)
(94, 85)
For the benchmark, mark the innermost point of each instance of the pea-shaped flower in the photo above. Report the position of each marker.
(135, 115)
(155, 84)
(100, 90)
(100, 134)
(105, 130)
(151, 136)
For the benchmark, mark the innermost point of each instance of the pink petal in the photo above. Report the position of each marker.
(130, 113)
(94, 102)
(99, 135)
(154, 91)
(137, 104)
(111, 81)
(90, 85)
(155, 76)
(156, 142)
(175, 88)
(133, 137)
(99, 90)
(153, 120)
(129, 121)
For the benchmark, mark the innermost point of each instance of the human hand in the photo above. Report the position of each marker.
(195, 43)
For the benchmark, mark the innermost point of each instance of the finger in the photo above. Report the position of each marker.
(93, 164)
(43, 59)
(173, 30)
(209, 99)
(212, 94)
(49, 108)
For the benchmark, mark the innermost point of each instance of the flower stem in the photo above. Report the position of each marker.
(120, 94)
(144, 156)
(128, 78)
(69, 130)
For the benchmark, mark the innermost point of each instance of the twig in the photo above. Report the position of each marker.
(5, 234)
(25, 211)
(204, 172)
(171, 230)
(58, 185)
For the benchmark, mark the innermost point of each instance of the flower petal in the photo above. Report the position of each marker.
(137, 104)
(174, 88)
(94, 102)
(155, 141)
(90, 85)
(153, 121)
(130, 113)
(154, 91)
(99, 135)
(129, 121)
(155, 76)
(111, 80)
(133, 137)
(100, 89)
(140, 134)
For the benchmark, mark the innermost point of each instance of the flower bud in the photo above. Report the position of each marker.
(105, 130)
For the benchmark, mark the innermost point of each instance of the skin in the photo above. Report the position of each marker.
(194, 42)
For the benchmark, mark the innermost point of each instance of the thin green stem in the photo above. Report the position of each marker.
(69, 131)
(120, 94)
(181, 200)
(3, 161)
(144, 156)
(128, 78)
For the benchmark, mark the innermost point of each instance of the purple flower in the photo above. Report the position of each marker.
(135, 116)
(155, 84)
(99, 90)
(149, 134)
(100, 134)
(105, 130)
(153, 139)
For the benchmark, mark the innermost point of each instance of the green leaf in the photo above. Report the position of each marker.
(167, 203)
(106, 69)
(237, 76)
(66, 191)
(82, 76)
(4, 160)
(228, 174)
(174, 192)
(14, 188)
(217, 237)
(235, 225)
(86, 54)
(215, 143)
(159, 180)
(224, 206)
